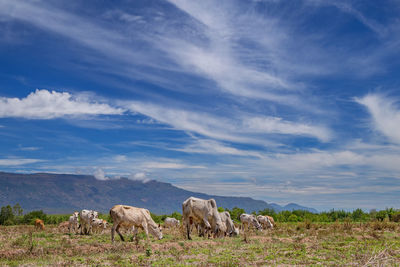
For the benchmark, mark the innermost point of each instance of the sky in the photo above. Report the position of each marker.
(283, 101)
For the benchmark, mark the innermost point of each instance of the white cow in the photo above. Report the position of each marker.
(99, 224)
(73, 222)
(86, 217)
(171, 222)
(271, 219)
(204, 213)
(129, 217)
(265, 221)
(231, 230)
(249, 219)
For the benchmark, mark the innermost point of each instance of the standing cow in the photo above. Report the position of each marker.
(249, 219)
(203, 213)
(86, 217)
(132, 217)
(73, 222)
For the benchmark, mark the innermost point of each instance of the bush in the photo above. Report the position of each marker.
(31, 216)
(293, 218)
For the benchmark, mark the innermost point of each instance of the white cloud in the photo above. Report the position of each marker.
(99, 174)
(140, 176)
(385, 115)
(169, 165)
(44, 104)
(18, 161)
(205, 146)
(120, 158)
(278, 125)
(239, 128)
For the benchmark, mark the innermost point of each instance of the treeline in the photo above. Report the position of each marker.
(357, 215)
(12, 215)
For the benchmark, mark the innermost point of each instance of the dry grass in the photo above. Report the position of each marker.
(350, 244)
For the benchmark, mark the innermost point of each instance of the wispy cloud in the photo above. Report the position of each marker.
(240, 129)
(44, 104)
(18, 161)
(385, 114)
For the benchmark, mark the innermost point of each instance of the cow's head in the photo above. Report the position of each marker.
(234, 232)
(256, 223)
(95, 214)
(156, 230)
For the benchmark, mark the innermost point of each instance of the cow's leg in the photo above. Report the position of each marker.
(113, 232)
(135, 231)
(188, 224)
(145, 229)
(120, 235)
(207, 224)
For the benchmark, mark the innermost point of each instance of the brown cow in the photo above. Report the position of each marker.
(39, 224)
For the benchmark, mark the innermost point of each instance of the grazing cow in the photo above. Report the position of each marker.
(202, 212)
(231, 230)
(39, 224)
(127, 216)
(99, 224)
(249, 219)
(264, 221)
(73, 222)
(171, 222)
(86, 217)
(271, 219)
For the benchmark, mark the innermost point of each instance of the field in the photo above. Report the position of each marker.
(345, 243)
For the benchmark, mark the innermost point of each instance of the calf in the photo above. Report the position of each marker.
(99, 224)
(86, 217)
(73, 222)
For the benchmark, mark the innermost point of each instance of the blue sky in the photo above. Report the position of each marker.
(284, 101)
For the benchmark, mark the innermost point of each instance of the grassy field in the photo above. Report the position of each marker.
(346, 243)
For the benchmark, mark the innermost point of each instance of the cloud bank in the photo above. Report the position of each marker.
(44, 104)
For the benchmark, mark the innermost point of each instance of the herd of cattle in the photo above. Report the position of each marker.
(199, 213)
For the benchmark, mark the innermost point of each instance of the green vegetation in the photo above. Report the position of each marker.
(344, 243)
(14, 216)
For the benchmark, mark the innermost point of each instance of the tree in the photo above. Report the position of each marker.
(17, 210)
(36, 214)
(235, 213)
(6, 215)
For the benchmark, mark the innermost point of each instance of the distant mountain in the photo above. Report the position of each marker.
(291, 207)
(64, 193)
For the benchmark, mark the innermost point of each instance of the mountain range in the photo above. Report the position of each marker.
(65, 193)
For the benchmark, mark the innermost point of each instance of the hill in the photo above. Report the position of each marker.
(64, 193)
